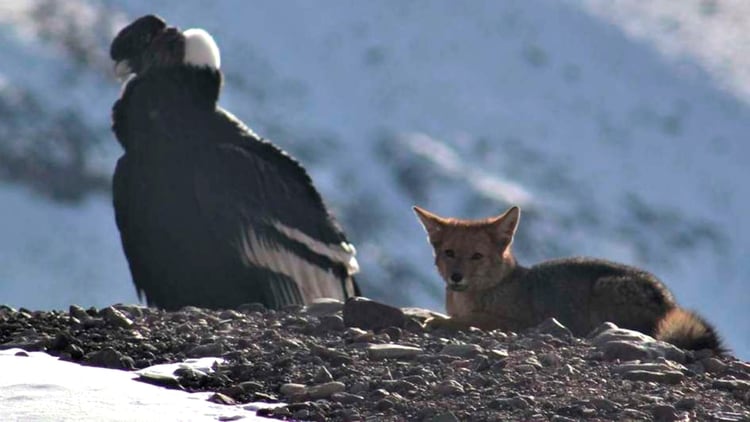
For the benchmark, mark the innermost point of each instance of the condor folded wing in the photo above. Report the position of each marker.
(257, 197)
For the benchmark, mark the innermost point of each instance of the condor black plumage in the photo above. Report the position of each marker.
(210, 214)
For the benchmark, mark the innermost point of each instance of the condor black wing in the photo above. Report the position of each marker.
(257, 197)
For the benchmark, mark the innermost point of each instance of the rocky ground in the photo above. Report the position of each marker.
(367, 361)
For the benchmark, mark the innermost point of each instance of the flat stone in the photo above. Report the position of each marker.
(623, 350)
(109, 358)
(444, 417)
(325, 390)
(449, 387)
(732, 385)
(292, 389)
(665, 413)
(206, 350)
(324, 306)
(666, 377)
(392, 351)
(714, 366)
(462, 350)
(331, 323)
(554, 328)
(370, 315)
(116, 318)
(347, 398)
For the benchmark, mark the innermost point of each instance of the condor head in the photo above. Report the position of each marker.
(149, 43)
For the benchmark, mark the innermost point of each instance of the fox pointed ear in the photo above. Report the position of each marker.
(504, 226)
(432, 223)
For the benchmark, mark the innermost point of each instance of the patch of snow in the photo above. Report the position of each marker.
(38, 387)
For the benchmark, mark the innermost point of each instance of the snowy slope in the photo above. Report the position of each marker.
(613, 148)
(38, 387)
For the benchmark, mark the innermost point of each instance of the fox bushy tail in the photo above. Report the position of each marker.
(687, 330)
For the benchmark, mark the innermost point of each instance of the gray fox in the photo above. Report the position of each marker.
(488, 289)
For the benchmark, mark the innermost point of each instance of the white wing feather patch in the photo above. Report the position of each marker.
(201, 49)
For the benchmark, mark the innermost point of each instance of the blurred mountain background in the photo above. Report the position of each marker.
(619, 127)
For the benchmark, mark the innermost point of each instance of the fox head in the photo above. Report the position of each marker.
(471, 255)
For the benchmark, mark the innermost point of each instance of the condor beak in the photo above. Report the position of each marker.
(122, 70)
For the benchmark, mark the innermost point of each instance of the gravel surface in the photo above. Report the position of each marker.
(368, 361)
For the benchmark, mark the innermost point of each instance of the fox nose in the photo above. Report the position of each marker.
(456, 277)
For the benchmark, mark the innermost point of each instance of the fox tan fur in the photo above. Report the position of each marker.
(488, 289)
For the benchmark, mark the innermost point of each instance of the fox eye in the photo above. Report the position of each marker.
(476, 256)
(449, 253)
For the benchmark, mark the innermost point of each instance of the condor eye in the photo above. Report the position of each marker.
(476, 256)
(449, 253)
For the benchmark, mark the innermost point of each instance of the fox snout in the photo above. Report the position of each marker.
(456, 281)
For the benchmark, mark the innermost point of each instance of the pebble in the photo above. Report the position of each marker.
(116, 318)
(346, 398)
(109, 358)
(731, 385)
(554, 328)
(324, 306)
(206, 350)
(323, 391)
(331, 323)
(393, 351)
(370, 315)
(666, 377)
(686, 403)
(664, 413)
(462, 350)
(448, 387)
(714, 366)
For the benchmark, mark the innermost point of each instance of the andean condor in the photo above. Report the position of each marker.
(210, 214)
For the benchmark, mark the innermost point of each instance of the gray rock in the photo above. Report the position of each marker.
(686, 403)
(392, 351)
(730, 416)
(511, 403)
(550, 359)
(554, 328)
(623, 350)
(206, 350)
(331, 323)
(665, 413)
(666, 377)
(347, 398)
(325, 390)
(109, 358)
(619, 343)
(78, 312)
(731, 385)
(324, 306)
(116, 318)
(370, 315)
(461, 350)
(448, 387)
(292, 389)
(444, 417)
(714, 366)
(323, 375)
(334, 356)
(604, 404)
(230, 314)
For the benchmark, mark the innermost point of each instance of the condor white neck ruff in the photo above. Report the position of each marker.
(201, 49)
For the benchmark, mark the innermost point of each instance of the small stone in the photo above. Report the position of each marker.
(109, 358)
(686, 403)
(497, 354)
(666, 377)
(323, 391)
(251, 386)
(360, 387)
(461, 350)
(222, 399)
(554, 328)
(291, 389)
(206, 350)
(247, 308)
(714, 366)
(323, 375)
(78, 312)
(370, 315)
(393, 351)
(335, 357)
(331, 323)
(444, 417)
(664, 413)
(347, 398)
(230, 314)
(730, 416)
(510, 403)
(731, 385)
(324, 306)
(604, 404)
(550, 359)
(116, 318)
(448, 387)
(623, 350)
(393, 332)
(384, 404)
